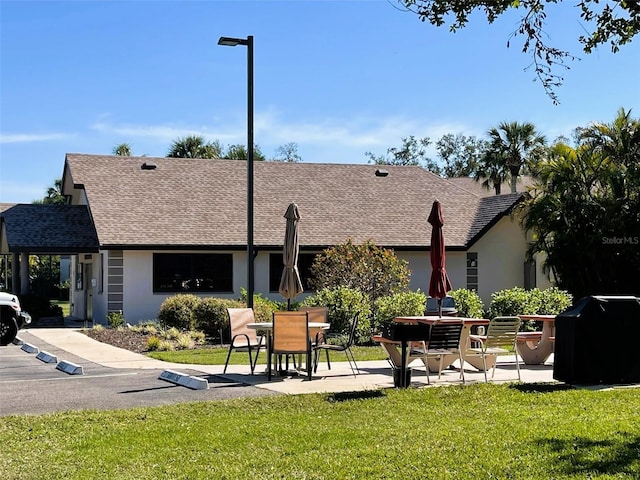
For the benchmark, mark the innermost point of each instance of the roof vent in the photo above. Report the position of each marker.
(381, 173)
(148, 166)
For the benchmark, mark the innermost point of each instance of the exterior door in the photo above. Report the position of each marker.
(88, 292)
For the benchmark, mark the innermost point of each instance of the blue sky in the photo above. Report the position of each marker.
(339, 78)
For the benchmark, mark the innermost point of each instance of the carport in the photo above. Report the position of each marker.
(38, 229)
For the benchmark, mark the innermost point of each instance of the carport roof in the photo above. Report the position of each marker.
(47, 229)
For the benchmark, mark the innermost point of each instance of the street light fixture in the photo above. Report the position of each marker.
(248, 42)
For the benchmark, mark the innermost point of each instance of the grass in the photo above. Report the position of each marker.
(533, 431)
(218, 355)
(65, 305)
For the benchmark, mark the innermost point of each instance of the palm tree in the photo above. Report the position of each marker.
(515, 146)
(54, 195)
(490, 171)
(122, 150)
(194, 146)
(585, 210)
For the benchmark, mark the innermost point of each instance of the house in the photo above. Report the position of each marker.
(154, 227)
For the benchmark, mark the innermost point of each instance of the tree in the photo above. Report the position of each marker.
(375, 271)
(54, 195)
(122, 150)
(239, 152)
(585, 210)
(461, 154)
(513, 147)
(491, 172)
(412, 152)
(287, 153)
(195, 146)
(616, 23)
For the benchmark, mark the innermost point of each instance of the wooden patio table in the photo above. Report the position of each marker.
(536, 347)
(267, 327)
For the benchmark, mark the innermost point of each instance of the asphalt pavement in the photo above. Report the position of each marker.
(29, 385)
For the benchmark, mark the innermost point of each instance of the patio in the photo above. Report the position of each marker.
(378, 374)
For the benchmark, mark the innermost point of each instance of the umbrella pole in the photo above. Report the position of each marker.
(440, 307)
(288, 304)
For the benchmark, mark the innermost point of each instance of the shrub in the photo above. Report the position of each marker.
(153, 343)
(165, 346)
(468, 303)
(342, 304)
(172, 334)
(198, 337)
(513, 301)
(375, 271)
(97, 327)
(518, 301)
(397, 305)
(263, 308)
(176, 311)
(184, 341)
(554, 301)
(210, 315)
(115, 319)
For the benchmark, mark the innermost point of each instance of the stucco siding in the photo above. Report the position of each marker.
(501, 256)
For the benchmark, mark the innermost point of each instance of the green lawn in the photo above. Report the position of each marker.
(217, 356)
(64, 304)
(459, 432)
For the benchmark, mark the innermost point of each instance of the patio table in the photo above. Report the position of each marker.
(395, 354)
(267, 327)
(536, 347)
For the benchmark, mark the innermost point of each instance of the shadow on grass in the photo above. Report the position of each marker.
(347, 396)
(541, 387)
(612, 456)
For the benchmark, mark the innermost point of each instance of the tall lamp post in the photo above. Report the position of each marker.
(248, 42)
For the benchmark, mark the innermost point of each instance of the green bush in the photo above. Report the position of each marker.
(342, 304)
(468, 303)
(176, 311)
(512, 301)
(375, 271)
(153, 343)
(263, 308)
(210, 315)
(554, 301)
(115, 319)
(518, 301)
(397, 305)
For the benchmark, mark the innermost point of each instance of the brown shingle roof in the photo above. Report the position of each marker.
(195, 203)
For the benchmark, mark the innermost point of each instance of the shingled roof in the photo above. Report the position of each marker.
(48, 229)
(196, 203)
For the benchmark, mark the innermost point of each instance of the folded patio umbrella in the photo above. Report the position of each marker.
(290, 283)
(439, 284)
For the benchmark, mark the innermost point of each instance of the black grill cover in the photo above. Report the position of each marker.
(597, 341)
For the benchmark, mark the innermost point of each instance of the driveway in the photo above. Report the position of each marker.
(31, 386)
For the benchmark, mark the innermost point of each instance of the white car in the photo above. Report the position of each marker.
(12, 318)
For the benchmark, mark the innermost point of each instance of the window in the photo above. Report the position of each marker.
(305, 261)
(193, 272)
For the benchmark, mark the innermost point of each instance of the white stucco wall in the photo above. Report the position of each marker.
(501, 257)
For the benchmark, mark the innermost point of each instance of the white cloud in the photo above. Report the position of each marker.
(319, 140)
(33, 137)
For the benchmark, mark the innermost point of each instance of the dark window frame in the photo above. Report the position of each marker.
(192, 273)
